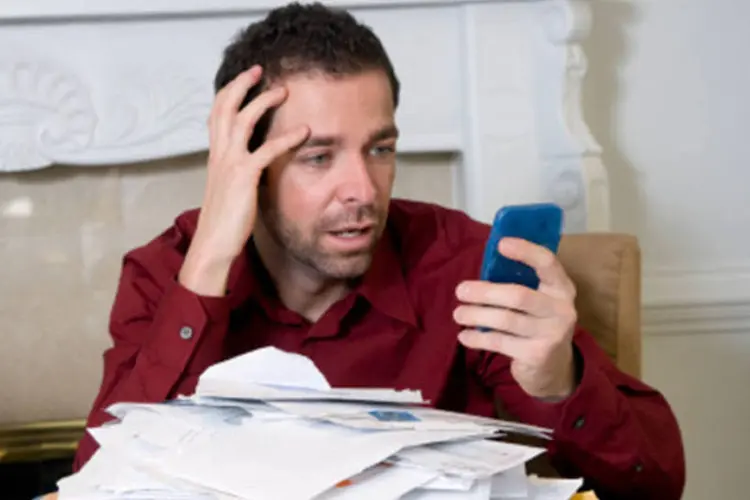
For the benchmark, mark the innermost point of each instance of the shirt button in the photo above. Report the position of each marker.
(186, 333)
(579, 423)
(638, 467)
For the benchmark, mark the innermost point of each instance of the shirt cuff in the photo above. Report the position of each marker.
(591, 410)
(564, 414)
(593, 427)
(590, 416)
(181, 321)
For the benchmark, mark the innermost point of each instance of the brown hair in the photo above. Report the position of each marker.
(297, 39)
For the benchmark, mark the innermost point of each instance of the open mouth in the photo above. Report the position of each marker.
(352, 233)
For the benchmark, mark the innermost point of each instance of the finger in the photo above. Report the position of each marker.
(502, 320)
(503, 343)
(541, 259)
(507, 295)
(226, 104)
(247, 118)
(274, 148)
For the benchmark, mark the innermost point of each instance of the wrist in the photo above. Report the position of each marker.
(205, 273)
(567, 380)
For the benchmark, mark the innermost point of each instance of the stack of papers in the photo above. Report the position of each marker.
(267, 426)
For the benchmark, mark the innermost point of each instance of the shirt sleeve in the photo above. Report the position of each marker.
(163, 336)
(616, 432)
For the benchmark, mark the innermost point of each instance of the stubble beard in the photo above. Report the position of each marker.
(309, 250)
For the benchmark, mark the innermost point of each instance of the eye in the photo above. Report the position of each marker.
(317, 159)
(383, 150)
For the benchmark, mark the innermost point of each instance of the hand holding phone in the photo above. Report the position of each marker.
(531, 324)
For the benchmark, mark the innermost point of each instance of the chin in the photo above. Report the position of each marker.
(346, 268)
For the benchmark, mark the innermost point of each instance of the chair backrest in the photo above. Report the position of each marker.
(606, 268)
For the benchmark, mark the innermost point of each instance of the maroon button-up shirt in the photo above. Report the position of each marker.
(394, 330)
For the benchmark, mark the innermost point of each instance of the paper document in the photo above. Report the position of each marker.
(480, 490)
(510, 484)
(544, 489)
(268, 366)
(381, 482)
(474, 459)
(269, 374)
(376, 416)
(108, 476)
(268, 426)
(319, 454)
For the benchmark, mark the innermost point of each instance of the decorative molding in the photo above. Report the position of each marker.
(46, 10)
(697, 319)
(47, 116)
(696, 300)
(578, 180)
(720, 284)
(142, 113)
(525, 135)
(46, 112)
(504, 94)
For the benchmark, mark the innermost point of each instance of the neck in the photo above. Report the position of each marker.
(300, 288)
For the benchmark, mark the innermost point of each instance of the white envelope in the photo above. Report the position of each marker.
(270, 374)
(474, 459)
(381, 482)
(479, 491)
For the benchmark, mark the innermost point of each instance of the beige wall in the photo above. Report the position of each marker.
(62, 234)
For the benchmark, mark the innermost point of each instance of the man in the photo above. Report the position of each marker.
(298, 244)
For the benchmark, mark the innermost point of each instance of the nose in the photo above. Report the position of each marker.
(357, 184)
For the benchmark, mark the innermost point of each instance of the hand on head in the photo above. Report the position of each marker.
(229, 206)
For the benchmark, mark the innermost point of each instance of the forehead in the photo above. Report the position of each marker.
(335, 105)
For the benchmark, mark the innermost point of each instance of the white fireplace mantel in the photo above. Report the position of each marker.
(126, 81)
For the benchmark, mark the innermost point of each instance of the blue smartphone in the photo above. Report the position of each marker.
(539, 223)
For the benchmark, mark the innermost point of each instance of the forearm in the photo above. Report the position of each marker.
(617, 433)
(204, 272)
(185, 336)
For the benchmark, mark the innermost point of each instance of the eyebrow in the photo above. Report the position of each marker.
(387, 132)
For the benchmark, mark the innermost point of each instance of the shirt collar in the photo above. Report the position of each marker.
(383, 285)
(248, 278)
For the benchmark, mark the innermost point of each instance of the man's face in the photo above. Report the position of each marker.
(326, 203)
